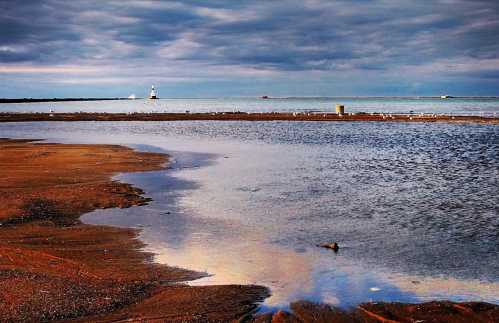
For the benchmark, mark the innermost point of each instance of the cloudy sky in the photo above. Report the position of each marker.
(59, 48)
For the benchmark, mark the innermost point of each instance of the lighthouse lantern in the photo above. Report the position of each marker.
(153, 93)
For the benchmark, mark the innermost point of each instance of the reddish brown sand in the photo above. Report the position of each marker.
(228, 116)
(432, 312)
(52, 267)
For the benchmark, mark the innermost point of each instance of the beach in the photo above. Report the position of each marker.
(247, 116)
(63, 269)
(249, 161)
(53, 267)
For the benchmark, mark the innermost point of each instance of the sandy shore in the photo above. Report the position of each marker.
(53, 267)
(231, 116)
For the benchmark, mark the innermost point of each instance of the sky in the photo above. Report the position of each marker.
(213, 48)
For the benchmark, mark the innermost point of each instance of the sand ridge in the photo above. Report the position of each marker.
(246, 116)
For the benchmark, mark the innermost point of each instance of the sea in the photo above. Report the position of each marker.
(414, 207)
(479, 106)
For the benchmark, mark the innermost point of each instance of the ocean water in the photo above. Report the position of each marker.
(414, 207)
(460, 106)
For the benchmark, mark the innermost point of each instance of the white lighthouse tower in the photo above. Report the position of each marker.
(153, 93)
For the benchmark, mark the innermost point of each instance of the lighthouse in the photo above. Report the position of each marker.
(153, 93)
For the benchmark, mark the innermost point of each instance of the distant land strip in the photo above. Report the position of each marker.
(33, 100)
(30, 100)
(245, 116)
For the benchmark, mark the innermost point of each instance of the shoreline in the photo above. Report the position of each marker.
(53, 267)
(101, 272)
(246, 116)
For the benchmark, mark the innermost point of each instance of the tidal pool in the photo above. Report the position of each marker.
(414, 207)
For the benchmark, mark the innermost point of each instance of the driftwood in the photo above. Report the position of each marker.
(334, 246)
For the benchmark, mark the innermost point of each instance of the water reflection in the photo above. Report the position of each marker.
(413, 206)
(233, 250)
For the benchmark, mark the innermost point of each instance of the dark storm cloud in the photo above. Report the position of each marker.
(278, 36)
(10, 56)
(367, 35)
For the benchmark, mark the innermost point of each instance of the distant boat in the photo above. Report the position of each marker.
(132, 97)
(265, 97)
(153, 93)
(445, 96)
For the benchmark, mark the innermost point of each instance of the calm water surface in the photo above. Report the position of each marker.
(461, 106)
(415, 207)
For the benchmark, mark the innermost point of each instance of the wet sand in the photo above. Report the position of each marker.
(387, 313)
(53, 267)
(232, 116)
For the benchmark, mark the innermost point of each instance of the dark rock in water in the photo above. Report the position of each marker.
(334, 246)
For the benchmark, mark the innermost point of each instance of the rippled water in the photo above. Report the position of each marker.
(415, 207)
(462, 106)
